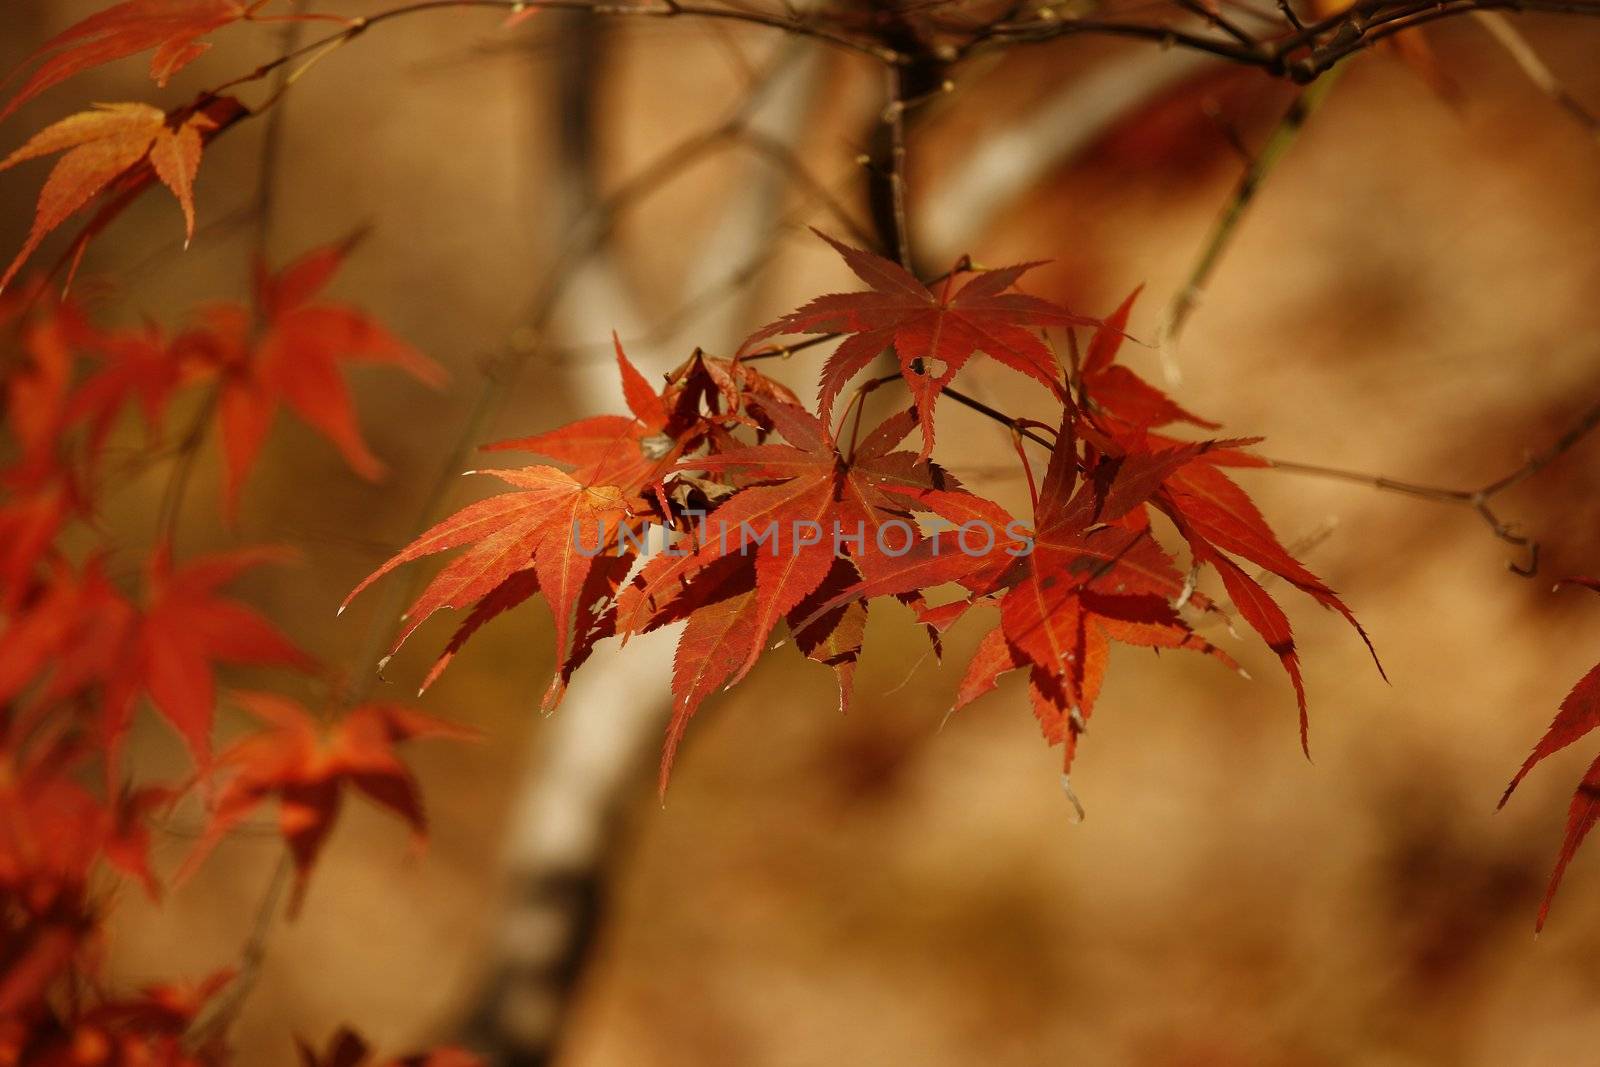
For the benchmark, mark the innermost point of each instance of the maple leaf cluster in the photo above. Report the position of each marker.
(720, 447)
(94, 631)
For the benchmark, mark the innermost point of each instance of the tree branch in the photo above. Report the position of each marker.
(1480, 499)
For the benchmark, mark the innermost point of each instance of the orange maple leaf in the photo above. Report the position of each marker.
(118, 148)
(307, 770)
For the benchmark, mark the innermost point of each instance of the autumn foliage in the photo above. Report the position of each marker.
(1132, 499)
(93, 632)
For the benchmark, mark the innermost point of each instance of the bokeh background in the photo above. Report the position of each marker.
(1412, 294)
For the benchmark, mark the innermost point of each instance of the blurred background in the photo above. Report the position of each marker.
(1411, 294)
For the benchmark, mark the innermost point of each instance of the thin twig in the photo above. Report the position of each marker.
(220, 1012)
(1331, 41)
(1479, 500)
(1019, 427)
(1225, 228)
(184, 458)
(665, 9)
(1045, 28)
(894, 115)
(1218, 20)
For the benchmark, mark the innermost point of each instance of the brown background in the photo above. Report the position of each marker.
(1413, 295)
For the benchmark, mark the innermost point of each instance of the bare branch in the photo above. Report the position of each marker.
(1480, 499)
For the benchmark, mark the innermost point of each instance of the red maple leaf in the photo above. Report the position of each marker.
(798, 491)
(307, 771)
(1220, 522)
(933, 332)
(1216, 517)
(285, 352)
(53, 832)
(618, 450)
(518, 544)
(1578, 716)
(133, 368)
(172, 643)
(171, 27)
(526, 542)
(632, 453)
(1091, 572)
(547, 525)
(1118, 392)
(82, 634)
(766, 552)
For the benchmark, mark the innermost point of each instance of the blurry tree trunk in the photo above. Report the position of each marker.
(565, 820)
